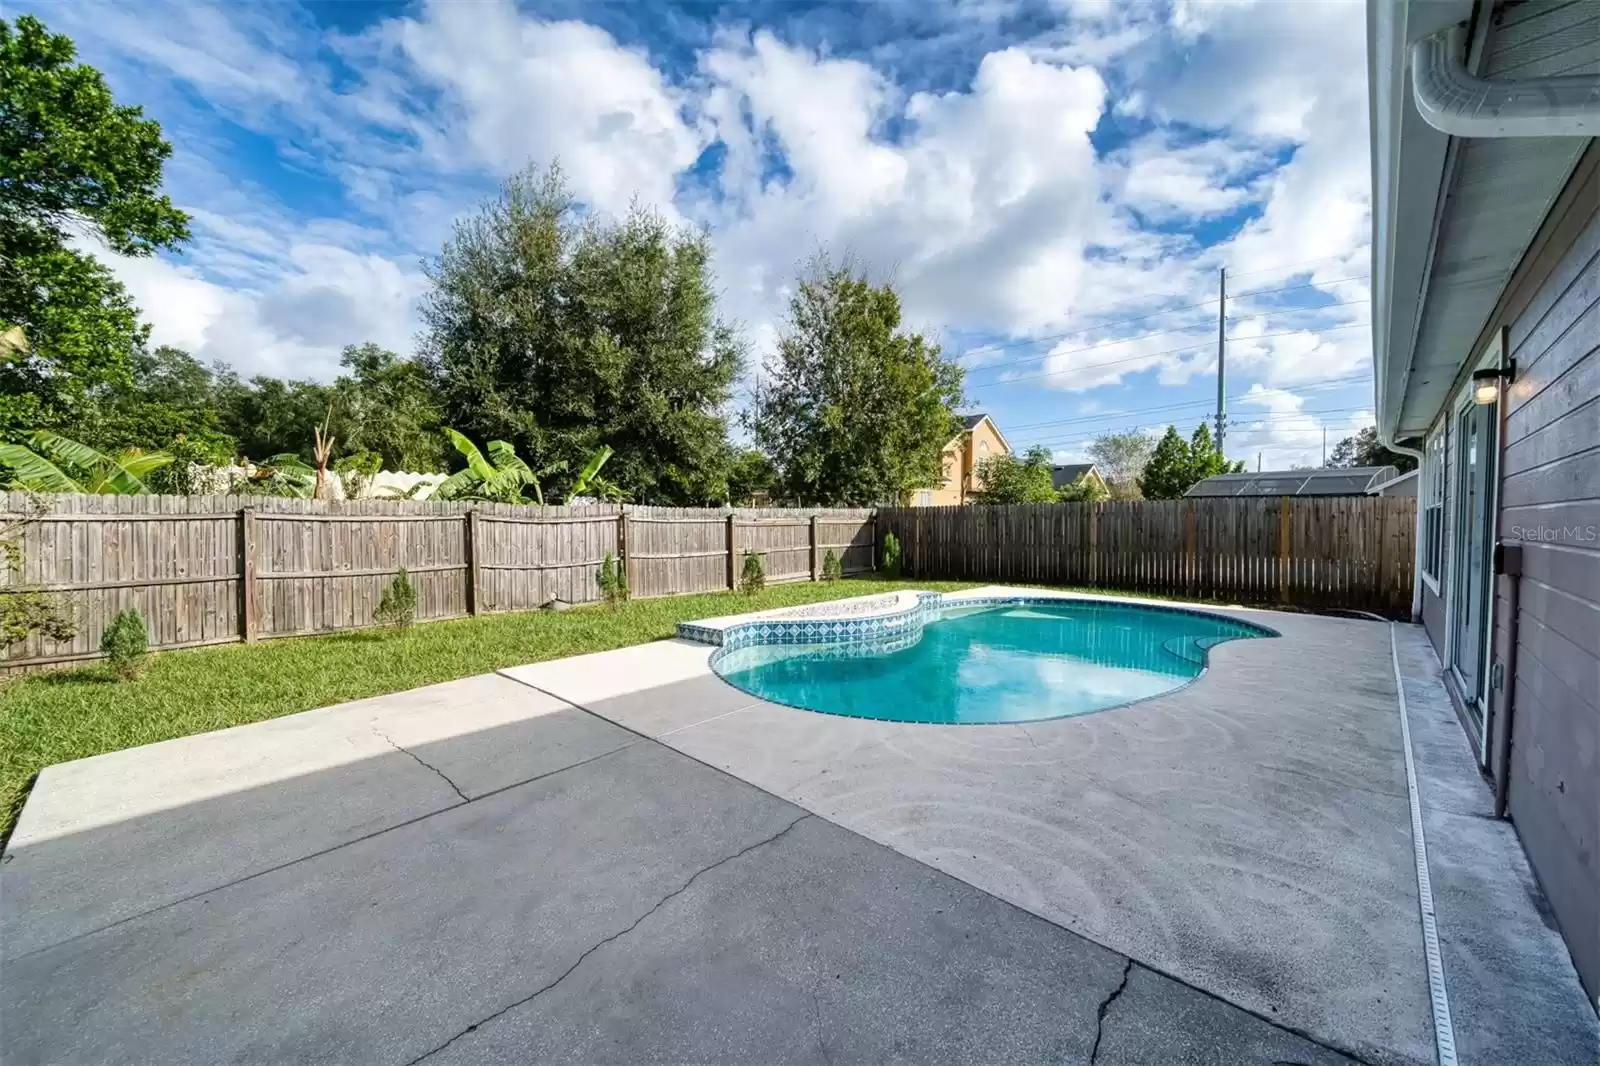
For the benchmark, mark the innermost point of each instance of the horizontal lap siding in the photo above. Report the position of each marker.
(1550, 503)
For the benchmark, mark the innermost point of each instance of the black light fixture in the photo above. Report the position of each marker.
(1486, 383)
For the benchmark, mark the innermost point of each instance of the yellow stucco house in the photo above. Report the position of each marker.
(978, 440)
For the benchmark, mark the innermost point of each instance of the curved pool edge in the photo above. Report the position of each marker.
(899, 627)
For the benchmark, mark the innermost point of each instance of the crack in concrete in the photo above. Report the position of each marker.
(816, 1028)
(419, 760)
(662, 902)
(1105, 1007)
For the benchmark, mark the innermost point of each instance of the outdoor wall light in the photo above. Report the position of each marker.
(1486, 383)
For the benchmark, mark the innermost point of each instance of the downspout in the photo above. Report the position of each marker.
(1416, 559)
(1453, 100)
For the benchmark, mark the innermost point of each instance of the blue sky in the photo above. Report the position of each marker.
(1052, 186)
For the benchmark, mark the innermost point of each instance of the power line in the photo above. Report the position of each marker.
(1157, 314)
(1098, 416)
(1141, 336)
(1279, 419)
(1157, 355)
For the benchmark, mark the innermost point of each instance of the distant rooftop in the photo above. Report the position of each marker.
(1338, 481)
(1066, 474)
(971, 421)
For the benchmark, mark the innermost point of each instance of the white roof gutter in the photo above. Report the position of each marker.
(1455, 101)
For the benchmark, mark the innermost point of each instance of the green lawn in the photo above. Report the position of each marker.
(71, 714)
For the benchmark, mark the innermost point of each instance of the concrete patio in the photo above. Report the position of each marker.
(620, 858)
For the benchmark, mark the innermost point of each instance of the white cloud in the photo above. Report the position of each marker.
(986, 202)
(1277, 424)
(982, 211)
(518, 89)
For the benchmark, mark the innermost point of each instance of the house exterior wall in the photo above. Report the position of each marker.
(1550, 504)
(1544, 742)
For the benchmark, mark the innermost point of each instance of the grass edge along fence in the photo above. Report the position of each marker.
(1346, 552)
(206, 570)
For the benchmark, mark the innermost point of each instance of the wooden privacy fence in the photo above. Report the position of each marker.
(215, 569)
(1329, 552)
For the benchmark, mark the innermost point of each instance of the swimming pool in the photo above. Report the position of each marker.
(1015, 661)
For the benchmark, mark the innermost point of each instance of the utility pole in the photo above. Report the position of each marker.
(1258, 462)
(1222, 356)
(1324, 445)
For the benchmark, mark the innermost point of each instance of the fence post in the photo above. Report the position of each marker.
(622, 542)
(1283, 549)
(873, 555)
(247, 574)
(733, 573)
(473, 551)
(1093, 512)
(813, 547)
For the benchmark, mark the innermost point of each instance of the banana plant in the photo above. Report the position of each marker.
(590, 483)
(284, 474)
(500, 477)
(49, 462)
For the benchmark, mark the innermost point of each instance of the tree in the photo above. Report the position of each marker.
(1121, 459)
(750, 472)
(1084, 490)
(1008, 479)
(268, 416)
(71, 162)
(388, 405)
(1177, 464)
(1166, 475)
(558, 335)
(1365, 449)
(854, 410)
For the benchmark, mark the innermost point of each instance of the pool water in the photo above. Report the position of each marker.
(1005, 663)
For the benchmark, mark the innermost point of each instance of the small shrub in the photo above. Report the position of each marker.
(612, 578)
(126, 643)
(397, 607)
(832, 569)
(890, 563)
(754, 576)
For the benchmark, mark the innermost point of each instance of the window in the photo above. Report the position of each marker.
(925, 498)
(1431, 500)
(983, 447)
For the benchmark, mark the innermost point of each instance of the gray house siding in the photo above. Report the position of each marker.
(1550, 503)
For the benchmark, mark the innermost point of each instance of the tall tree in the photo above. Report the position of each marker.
(560, 335)
(1166, 475)
(388, 406)
(71, 162)
(1121, 458)
(1009, 479)
(853, 410)
(1178, 464)
(1365, 449)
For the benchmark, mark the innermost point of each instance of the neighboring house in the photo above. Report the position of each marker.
(1486, 348)
(1065, 475)
(1327, 481)
(978, 440)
